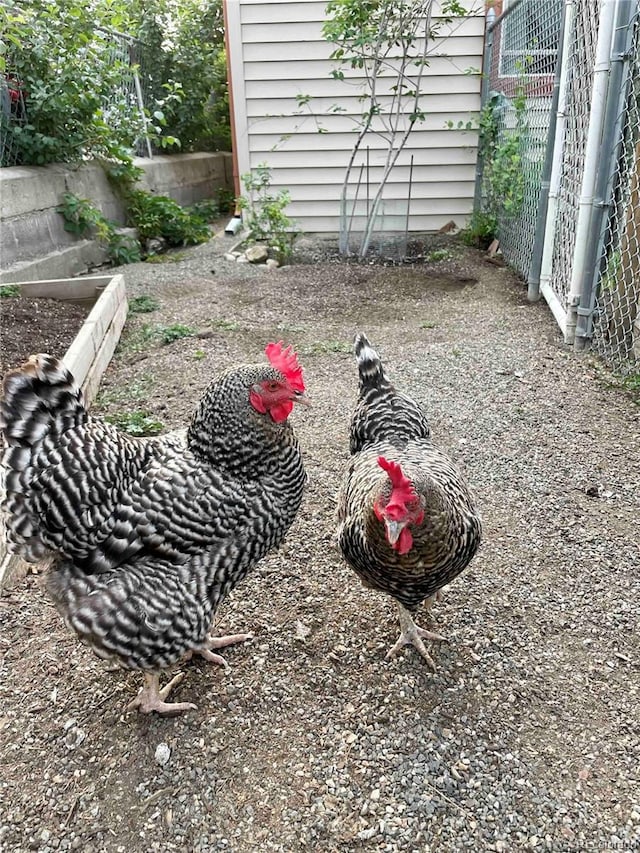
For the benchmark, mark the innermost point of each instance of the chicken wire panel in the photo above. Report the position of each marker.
(13, 113)
(128, 98)
(616, 329)
(523, 62)
(388, 239)
(582, 54)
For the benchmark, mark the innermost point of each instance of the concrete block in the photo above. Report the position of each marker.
(29, 188)
(33, 241)
(61, 263)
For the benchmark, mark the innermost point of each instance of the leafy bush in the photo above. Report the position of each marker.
(161, 216)
(68, 72)
(481, 230)
(264, 215)
(76, 77)
(84, 219)
(152, 216)
(188, 76)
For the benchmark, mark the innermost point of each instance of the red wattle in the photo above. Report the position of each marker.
(281, 411)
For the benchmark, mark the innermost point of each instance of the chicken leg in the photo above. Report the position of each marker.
(151, 698)
(412, 634)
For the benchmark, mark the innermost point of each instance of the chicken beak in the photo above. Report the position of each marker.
(394, 529)
(301, 397)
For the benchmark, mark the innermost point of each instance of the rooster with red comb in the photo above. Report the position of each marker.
(148, 536)
(407, 523)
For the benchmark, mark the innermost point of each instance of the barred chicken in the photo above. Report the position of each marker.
(148, 536)
(407, 523)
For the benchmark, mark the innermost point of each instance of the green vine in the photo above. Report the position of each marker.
(500, 149)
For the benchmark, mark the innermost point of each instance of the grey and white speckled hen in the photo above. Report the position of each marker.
(406, 521)
(149, 535)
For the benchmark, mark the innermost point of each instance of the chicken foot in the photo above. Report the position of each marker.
(412, 634)
(151, 698)
(217, 643)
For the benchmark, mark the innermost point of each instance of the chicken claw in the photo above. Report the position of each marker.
(217, 643)
(412, 634)
(151, 698)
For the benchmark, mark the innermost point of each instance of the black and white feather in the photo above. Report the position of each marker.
(388, 423)
(147, 535)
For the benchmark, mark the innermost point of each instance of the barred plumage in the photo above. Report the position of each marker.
(407, 523)
(148, 535)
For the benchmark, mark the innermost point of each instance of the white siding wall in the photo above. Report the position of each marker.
(276, 52)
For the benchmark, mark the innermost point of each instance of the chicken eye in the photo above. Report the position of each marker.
(272, 386)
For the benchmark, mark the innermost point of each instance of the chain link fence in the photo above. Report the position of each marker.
(559, 166)
(578, 83)
(520, 58)
(13, 113)
(616, 318)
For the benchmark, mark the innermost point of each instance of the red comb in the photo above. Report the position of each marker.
(285, 360)
(402, 486)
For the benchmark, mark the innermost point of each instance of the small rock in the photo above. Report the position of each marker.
(156, 246)
(302, 630)
(256, 254)
(163, 754)
(74, 738)
(272, 263)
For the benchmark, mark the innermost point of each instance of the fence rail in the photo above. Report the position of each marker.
(561, 172)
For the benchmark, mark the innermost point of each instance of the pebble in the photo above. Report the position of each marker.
(162, 754)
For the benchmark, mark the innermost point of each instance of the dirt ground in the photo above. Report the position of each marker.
(36, 325)
(526, 737)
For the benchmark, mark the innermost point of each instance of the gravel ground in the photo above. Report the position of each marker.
(528, 735)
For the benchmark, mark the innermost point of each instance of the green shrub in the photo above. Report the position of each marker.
(143, 304)
(83, 218)
(76, 77)
(263, 212)
(161, 216)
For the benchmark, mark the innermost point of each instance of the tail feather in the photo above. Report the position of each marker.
(40, 401)
(370, 367)
(40, 398)
(382, 413)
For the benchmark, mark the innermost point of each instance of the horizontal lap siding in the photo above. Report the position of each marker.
(277, 53)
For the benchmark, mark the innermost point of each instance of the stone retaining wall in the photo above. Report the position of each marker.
(33, 242)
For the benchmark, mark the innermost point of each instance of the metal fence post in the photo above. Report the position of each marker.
(617, 95)
(555, 179)
(145, 123)
(591, 157)
(533, 280)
